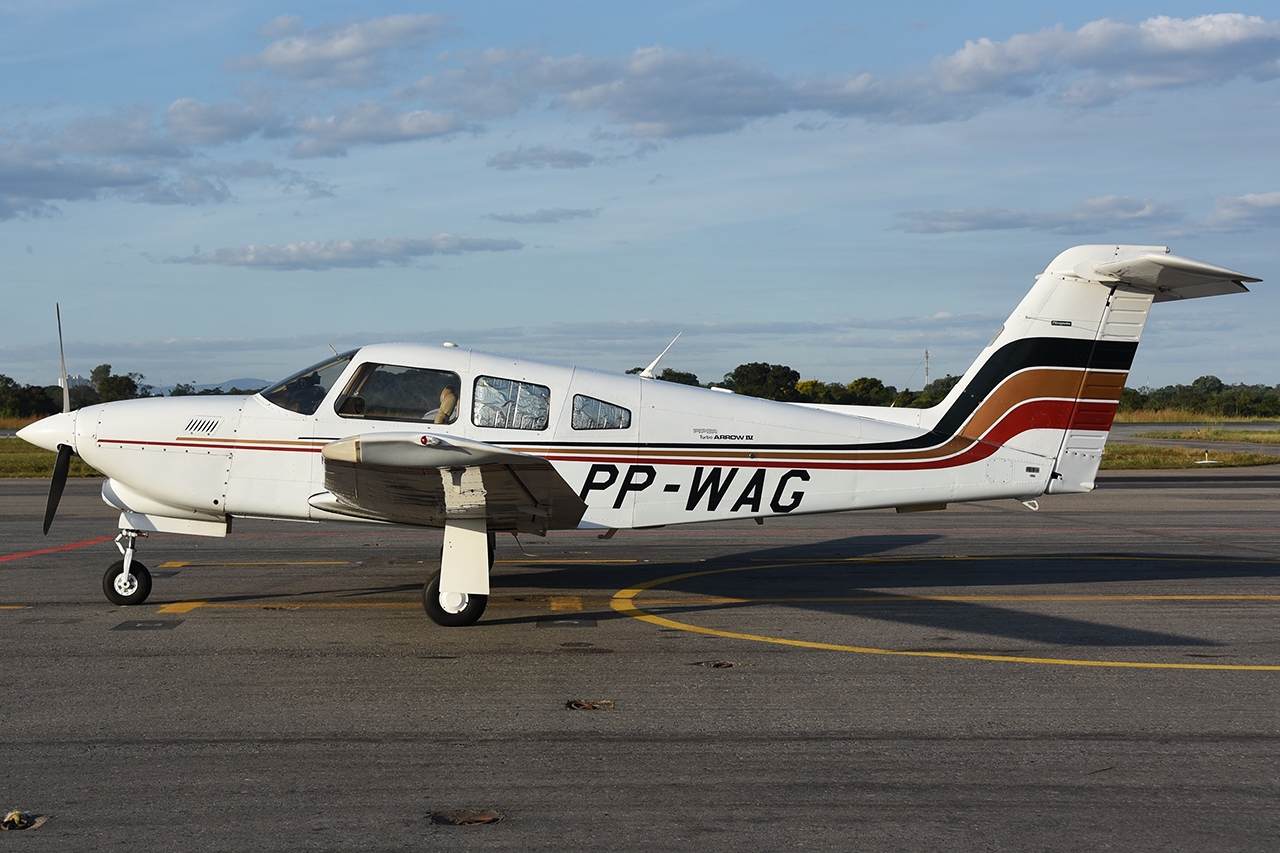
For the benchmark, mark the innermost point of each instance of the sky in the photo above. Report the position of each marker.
(217, 191)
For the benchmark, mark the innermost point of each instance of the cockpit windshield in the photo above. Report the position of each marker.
(305, 390)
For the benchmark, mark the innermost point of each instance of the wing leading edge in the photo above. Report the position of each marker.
(429, 480)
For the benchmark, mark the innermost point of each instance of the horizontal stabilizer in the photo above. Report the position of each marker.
(1169, 277)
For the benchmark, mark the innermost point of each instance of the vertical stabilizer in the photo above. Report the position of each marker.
(1049, 383)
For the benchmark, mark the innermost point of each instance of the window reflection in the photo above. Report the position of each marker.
(590, 413)
(303, 392)
(510, 404)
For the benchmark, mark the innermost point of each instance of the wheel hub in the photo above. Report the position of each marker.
(453, 602)
(126, 584)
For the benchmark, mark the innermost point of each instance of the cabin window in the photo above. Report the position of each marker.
(303, 392)
(590, 413)
(387, 392)
(510, 404)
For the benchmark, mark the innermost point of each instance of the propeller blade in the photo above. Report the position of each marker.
(66, 387)
(59, 482)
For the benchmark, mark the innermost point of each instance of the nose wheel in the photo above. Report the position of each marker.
(125, 588)
(127, 581)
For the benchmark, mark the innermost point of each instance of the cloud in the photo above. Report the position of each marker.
(1245, 213)
(345, 55)
(368, 122)
(194, 123)
(128, 133)
(661, 92)
(544, 215)
(333, 254)
(536, 158)
(288, 179)
(32, 176)
(1106, 213)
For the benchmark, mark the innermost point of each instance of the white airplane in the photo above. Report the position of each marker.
(477, 443)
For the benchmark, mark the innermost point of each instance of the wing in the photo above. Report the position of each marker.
(424, 479)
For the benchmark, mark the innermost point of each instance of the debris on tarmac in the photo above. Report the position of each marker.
(468, 817)
(22, 820)
(585, 705)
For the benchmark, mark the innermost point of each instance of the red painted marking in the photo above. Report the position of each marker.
(210, 446)
(1094, 416)
(6, 558)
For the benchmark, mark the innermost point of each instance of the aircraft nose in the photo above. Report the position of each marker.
(51, 431)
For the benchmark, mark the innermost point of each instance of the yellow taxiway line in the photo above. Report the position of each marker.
(624, 602)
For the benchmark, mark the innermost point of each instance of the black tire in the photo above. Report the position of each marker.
(472, 607)
(141, 589)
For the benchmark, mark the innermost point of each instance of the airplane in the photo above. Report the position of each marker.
(477, 443)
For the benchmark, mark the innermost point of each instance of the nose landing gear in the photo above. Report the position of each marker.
(127, 581)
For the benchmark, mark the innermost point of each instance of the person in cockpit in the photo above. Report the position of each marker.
(448, 405)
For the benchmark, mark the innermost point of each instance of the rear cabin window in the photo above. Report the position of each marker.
(510, 404)
(387, 392)
(303, 392)
(590, 413)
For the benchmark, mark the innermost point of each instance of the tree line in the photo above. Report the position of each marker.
(105, 386)
(1207, 395)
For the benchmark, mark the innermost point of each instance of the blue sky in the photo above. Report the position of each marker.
(224, 190)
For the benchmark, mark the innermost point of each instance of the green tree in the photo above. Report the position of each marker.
(126, 387)
(680, 377)
(935, 392)
(98, 374)
(760, 379)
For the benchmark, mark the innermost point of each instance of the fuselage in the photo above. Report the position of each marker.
(638, 452)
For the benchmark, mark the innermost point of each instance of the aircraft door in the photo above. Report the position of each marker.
(596, 437)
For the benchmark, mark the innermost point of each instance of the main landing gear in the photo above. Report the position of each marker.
(127, 581)
(454, 609)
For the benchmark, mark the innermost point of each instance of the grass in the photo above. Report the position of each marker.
(19, 459)
(1179, 416)
(1216, 434)
(1120, 457)
(18, 423)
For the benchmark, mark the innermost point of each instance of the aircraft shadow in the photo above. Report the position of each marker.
(831, 570)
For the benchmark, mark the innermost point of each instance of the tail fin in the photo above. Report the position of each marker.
(1049, 383)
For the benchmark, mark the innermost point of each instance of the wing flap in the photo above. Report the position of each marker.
(424, 479)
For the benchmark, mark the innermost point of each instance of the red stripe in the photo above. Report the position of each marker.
(70, 547)
(311, 449)
(1094, 416)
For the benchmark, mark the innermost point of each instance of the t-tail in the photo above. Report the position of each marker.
(1049, 383)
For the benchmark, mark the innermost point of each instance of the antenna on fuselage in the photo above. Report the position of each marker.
(335, 352)
(647, 373)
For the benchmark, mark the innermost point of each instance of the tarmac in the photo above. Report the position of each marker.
(1101, 674)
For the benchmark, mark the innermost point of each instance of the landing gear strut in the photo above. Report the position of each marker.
(127, 581)
(454, 609)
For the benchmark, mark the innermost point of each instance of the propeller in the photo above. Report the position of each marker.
(59, 482)
(63, 464)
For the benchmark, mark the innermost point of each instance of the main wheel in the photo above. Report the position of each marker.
(122, 589)
(451, 609)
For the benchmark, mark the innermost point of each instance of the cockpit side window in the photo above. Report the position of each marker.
(303, 392)
(388, 392)
(510, 404)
